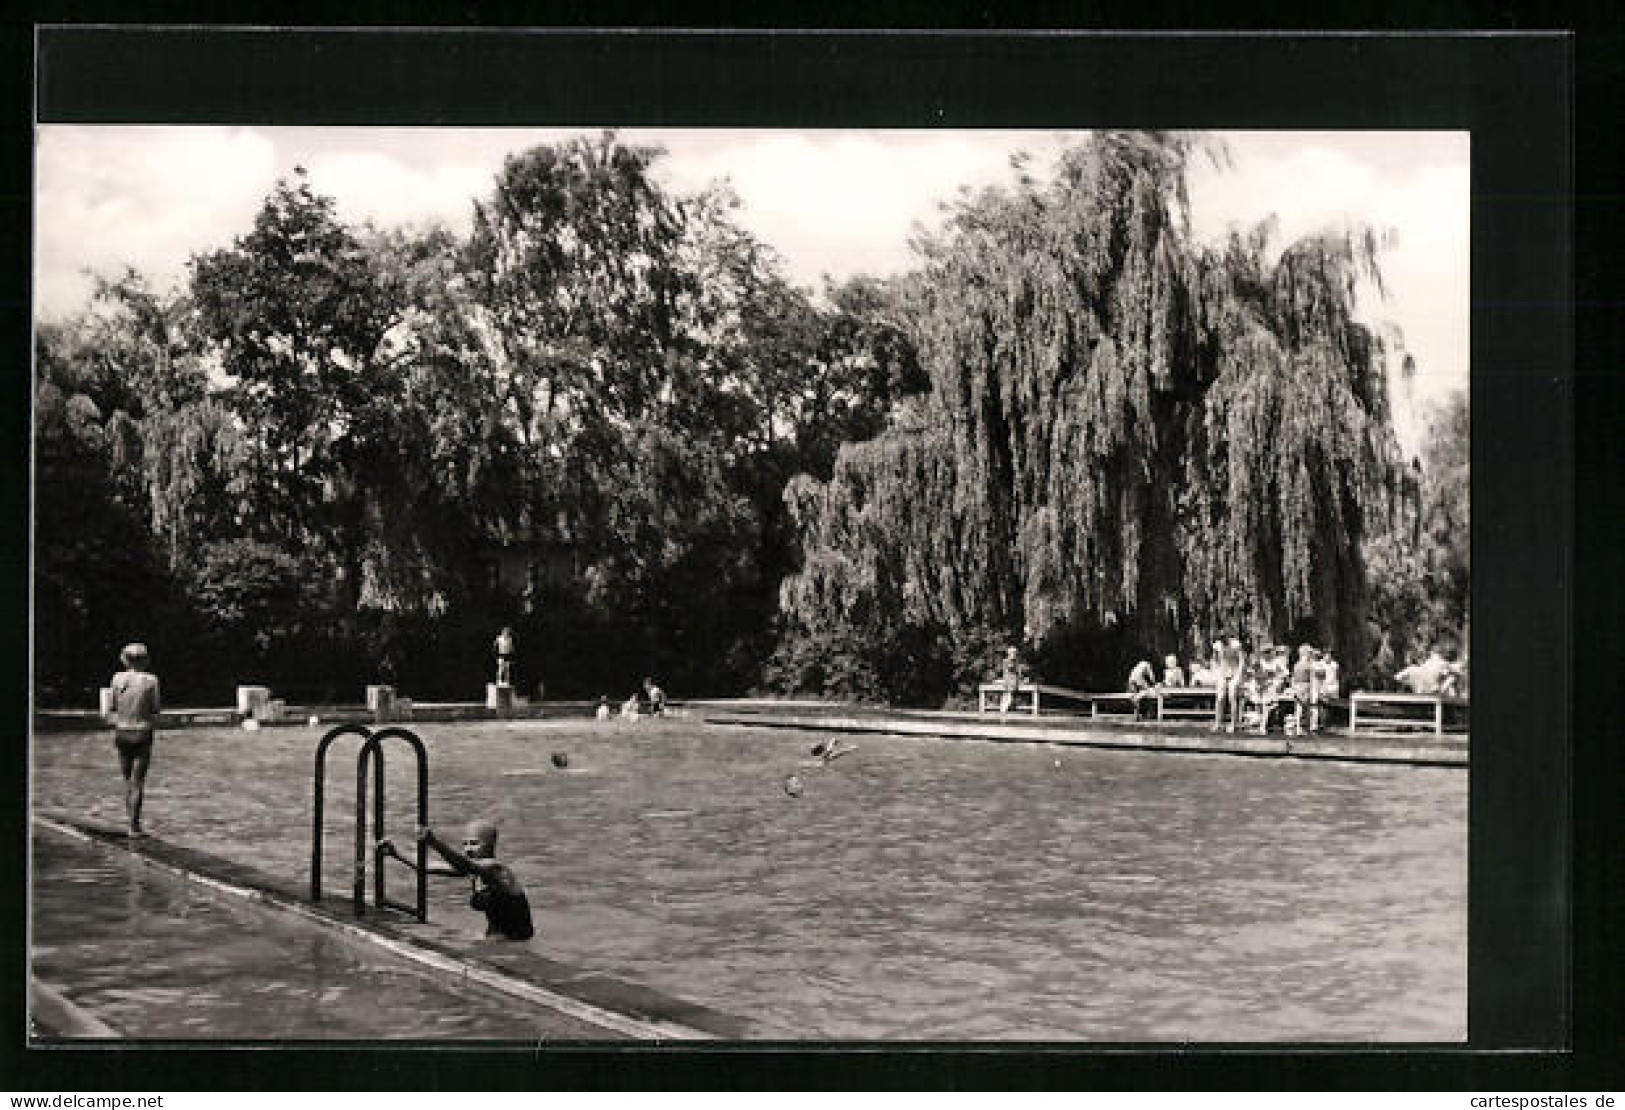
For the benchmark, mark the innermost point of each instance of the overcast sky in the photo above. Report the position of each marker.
(831, 202)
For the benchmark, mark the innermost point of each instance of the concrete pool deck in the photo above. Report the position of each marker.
(621, 1009)
(1449, 750)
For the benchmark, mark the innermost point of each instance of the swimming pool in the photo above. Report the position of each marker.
(917, 889)
(157, 958)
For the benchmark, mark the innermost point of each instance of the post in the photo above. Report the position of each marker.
(381, 702)
(251, 701)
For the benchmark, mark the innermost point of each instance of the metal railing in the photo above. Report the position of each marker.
(370, 757)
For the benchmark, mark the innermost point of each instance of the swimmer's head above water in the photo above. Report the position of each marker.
(480, 840)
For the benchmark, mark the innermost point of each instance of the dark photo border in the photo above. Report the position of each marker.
(1513, 92)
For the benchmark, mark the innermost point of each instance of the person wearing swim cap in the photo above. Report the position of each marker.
(134, 717)
(497, 891)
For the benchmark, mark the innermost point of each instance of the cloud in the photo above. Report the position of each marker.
(1416, 185)
(845, 202)
(377, 187)
(148, 197)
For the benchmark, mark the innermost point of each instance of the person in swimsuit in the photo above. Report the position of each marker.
(656, 698)
(1231, 665)
(504, 650)
(1305, 692)
(1011, 672)
(134, 716)
(497, 892)
(1434, 675)
(1142, 683)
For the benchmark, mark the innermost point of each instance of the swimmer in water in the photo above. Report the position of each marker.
(831, 750)
(497, 891)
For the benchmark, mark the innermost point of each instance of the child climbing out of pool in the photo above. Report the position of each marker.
(134, 716)
(497, 891)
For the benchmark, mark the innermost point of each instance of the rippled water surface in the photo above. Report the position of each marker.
(158, 958)
(918, 888)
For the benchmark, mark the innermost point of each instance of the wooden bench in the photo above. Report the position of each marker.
(1204, 697)
(1173, 702)
(1367, 701)
(991, 695)
(1119, 704)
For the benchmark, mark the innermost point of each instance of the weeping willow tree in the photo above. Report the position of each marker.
(1131, 441)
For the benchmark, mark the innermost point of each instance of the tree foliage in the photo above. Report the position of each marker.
(1128, 438)
(296, 312)
(1419, 565)
(1070, 426)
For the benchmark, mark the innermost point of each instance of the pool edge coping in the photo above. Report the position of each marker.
(416, 951)
(1382, 750)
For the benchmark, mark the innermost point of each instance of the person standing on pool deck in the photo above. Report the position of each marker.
(497, 892)
(656, 697)
(1231, 663)
(504, 649)
(134, 716)
(1011, 672)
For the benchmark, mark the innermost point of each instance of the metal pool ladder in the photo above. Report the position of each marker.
(371, 756)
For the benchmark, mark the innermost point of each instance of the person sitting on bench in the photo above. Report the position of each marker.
(1142, 683)
(1172, 673)
(1275, 693)
(1433, 675)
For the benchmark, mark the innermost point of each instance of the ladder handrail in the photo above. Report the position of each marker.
(317, 804)
(373, 749)
(370, 756)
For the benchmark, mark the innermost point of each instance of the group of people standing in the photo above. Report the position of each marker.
(1270, 684)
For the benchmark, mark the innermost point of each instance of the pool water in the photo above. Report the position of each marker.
(918, 888)
(119, 933)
